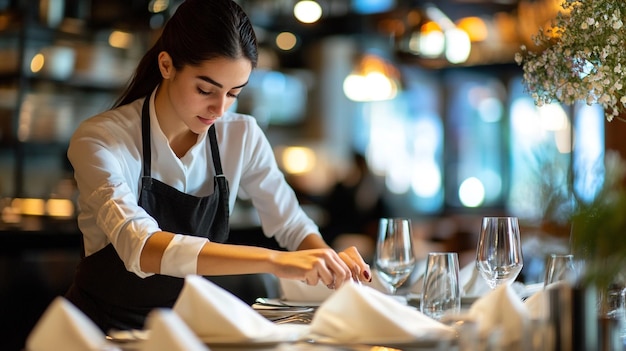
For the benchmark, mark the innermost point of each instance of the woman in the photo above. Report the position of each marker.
(159, 174)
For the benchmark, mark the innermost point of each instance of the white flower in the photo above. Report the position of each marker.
(581, 57)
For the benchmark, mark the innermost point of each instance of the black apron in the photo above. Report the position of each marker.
(116, 298)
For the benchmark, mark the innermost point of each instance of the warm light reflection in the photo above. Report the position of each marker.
(471, 192)
(429, 42)
(286, 41)
(156, 6)
(372, 87)
(382, 348)
(298, 159)
(29, 206)
(36, 64)
(475, 28)
(458, 45)
(60, 208)
(373, 79)
(307, 11)
(121, 40)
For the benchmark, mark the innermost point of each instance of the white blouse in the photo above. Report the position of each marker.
(106, 154)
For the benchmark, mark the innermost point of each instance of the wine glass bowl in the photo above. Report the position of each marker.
(499, 252)
(394, 260)
(441, 293)
(560, 267)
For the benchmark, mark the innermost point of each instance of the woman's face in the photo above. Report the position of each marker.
(198, 95)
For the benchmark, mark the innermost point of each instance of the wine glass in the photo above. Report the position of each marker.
(394, 260)
(499, 253)
(441, 293)
(560, 267)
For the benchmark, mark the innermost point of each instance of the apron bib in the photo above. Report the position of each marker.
(116, 298)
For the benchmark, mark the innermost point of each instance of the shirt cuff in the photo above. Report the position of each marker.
(181, 255)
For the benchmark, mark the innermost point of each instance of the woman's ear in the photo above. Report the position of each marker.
(166, 65)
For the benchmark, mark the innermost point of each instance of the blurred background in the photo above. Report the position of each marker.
(374, 108)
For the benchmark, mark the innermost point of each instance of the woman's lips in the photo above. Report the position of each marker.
(207, 121)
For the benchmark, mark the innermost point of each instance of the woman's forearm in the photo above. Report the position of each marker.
(313, 241)
(213, 258)
(226, 259)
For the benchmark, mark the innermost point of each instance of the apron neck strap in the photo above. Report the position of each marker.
(147, 152)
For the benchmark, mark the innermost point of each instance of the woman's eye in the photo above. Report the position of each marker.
(203, 92)
(234, 96)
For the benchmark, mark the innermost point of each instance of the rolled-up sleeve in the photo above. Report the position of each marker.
(109, 210)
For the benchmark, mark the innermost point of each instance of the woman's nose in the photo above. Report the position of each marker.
(219, 105)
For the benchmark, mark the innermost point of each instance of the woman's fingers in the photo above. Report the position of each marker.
(359, 269)
(327, 266)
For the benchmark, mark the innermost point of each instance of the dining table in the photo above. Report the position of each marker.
(303, 319)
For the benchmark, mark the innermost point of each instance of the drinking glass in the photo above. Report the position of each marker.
(499, 252)
(559, 267)
(441, 293)
(394, 260)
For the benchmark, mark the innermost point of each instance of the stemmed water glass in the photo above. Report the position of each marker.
(499, 252)
(394, 260)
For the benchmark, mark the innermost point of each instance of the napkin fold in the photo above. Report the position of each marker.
(63, 326)
(501, 309)
(538, 304)
(472, 283)
(169, 333)
(217, 316)
(297, 291)
(360, 314)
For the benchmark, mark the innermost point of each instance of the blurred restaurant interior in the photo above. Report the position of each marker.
(374, 108)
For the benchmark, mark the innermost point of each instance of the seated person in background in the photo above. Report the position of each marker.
(354, 206)
(159, 174)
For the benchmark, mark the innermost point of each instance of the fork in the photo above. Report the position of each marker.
(297, 318)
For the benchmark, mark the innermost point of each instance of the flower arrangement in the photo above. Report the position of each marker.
(580, 57)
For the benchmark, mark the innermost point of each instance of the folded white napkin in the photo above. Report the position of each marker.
(501, 309)
(472, 283)
(297, 291)
(358, 313)
(169, 333)
(538, 304)
(64, 327)
(217, 316)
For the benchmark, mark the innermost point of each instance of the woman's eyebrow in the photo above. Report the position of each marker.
(219, 85)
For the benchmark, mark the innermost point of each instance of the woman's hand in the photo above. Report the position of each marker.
(312, 266)
(360, 270)
(325, 265)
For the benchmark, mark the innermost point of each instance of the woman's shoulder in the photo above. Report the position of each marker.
(119, 121)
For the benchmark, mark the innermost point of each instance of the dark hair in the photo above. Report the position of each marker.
(198, 31)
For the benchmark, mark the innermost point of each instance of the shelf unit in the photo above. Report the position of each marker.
(51, 78)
